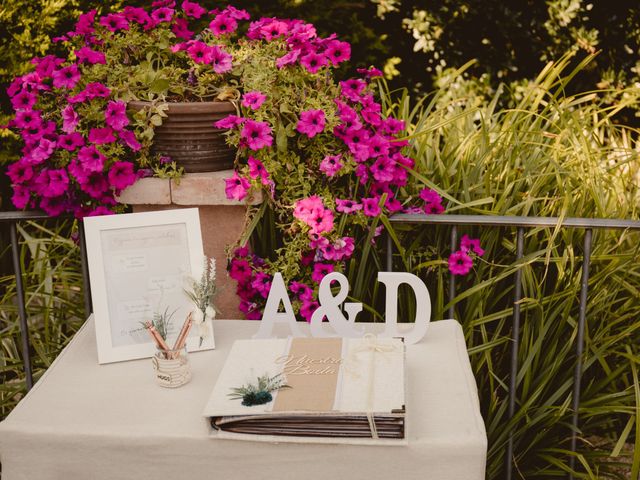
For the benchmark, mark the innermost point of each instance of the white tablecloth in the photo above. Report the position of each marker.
(91, 422)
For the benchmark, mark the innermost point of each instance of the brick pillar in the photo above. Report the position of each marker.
(222, 220)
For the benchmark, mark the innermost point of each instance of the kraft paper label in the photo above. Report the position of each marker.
(312, 367)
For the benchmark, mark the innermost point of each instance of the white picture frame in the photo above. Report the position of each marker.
(140, 264)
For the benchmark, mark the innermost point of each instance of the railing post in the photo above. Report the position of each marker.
(515, 345)
(452, 278)
(86, 286)
(577, 374)
(389, 253)
(22, 312)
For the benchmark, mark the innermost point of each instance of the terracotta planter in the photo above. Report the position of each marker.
(188, 136)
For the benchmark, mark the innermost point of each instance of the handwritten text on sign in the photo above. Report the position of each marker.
(332, 308)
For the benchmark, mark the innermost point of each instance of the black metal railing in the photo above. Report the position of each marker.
(10, 220)
(520, 224)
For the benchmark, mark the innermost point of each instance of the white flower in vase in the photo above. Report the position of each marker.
(201, 294)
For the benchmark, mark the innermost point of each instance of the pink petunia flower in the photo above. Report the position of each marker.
(433, 208)
(383, 169)
(114, 22)
(342, 249)
(180, 29)
(240, 270)
(87, 55)
(308, 308)
(46, 65)
(262, 284)
(95, 185)
(236, 13)
(338, 52)
(70, 141)
(460, 263)
(24, 100)
(129, 139)
(66, 77)
(236, 187)
(28, 119)
(371, 72)
(97, 89)
(468, 244)
(121, 175)
(223, 25)
(101, 136)
(371, 207)
(301, 290)
(43, 150)
(115, 115)
(320, 270)
(162, 15)
(256, 135)
(253, 100)
(392, 126)
(21, 196)
(311, 122)
(230, 121)
(91, 159)
(357, 140)
(70, 119)
(288, 58)
(313, 62)
(349, 117)
(257, 170)
(137, 15)
(352, 89)
(251, 310)
(273, 29)
(378, 146)
(52, 183)
(192, 9)
(347, 206)
(433, 201)
(19, 172)
(78, 170)
(200, 52)
(221, 60)
(54, 206)
(304, 208)
(331, 165)
(311, 210)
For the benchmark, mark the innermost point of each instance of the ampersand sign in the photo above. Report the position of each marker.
(330, 308)
(346, 326)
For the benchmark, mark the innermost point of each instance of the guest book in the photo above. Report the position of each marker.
(316, 390)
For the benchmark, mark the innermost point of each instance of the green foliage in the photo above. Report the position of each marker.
(53, 292)
(552, 155)
(258, 393)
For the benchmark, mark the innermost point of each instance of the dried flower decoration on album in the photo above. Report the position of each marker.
(315, 390)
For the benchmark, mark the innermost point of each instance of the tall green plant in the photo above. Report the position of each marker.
(552, 155)
(53, 292)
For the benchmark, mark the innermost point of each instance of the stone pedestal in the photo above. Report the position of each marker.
(222, 220)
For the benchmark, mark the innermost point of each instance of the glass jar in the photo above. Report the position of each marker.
(172, 367)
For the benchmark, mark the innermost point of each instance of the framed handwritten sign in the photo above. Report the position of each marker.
(139, 265)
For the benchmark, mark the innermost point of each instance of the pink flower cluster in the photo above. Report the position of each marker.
(61, 168)
(370, 148)
(312, 211)
(304, 46)
(253, 285)
(74, 162)
(461, 261)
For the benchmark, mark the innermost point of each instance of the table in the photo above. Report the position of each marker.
(93, 422)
